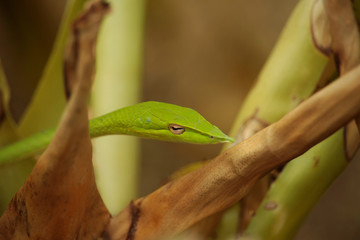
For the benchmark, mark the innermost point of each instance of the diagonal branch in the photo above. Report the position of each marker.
(222, 182)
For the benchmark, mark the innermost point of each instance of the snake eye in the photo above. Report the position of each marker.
(176, 129)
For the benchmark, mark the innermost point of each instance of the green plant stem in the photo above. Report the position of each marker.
(297, 189)
(117, 82)
(289, 76)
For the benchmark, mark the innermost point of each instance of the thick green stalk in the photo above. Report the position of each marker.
(290, 75)
(117, 82)
(297, 189)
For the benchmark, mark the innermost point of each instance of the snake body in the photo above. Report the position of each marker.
(155, 120)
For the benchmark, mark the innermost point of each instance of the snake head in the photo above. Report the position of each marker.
(164, 121)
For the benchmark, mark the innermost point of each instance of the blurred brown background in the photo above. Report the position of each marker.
(200, 54)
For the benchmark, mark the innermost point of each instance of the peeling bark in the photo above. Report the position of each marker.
(346, 48)
(320, 29)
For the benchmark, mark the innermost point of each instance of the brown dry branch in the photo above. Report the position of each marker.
(206, 228)
(225, 180)
(59, 200)
(252, 200)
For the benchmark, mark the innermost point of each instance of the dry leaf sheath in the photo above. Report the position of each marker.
(344, 35)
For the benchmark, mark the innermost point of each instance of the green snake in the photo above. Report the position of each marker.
(155, 120)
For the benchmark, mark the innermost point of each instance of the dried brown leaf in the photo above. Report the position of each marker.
(59, 199)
